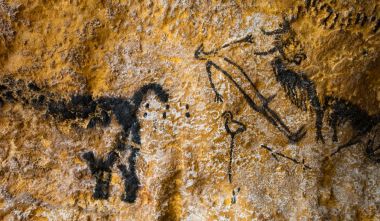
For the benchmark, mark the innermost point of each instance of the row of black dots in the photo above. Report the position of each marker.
(187, 111)
(167, 107)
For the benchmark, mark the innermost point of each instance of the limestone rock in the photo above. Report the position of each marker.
(189, 110)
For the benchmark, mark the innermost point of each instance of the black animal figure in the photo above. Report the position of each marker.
(298, 87)
(283, 37)
(342, 111)
(97, 112)
(263, 107)
(233, 128)
(302, 93)
(131, 181)
(101, 170)
(300, 90)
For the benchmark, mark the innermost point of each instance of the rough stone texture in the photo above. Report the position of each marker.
(111, 48)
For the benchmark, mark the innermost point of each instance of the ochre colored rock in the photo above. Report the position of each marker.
(189, 110)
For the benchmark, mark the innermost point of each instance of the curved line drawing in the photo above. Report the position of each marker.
(262, 108)
(233, 128)
(98, 112)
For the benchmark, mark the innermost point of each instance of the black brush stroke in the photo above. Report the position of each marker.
(97, 111)
(276, 153)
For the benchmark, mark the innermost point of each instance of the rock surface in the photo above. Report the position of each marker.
(285, 74)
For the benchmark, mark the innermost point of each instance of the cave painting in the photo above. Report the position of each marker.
(302, 92)
(233, 128)
(98, 112)
(259, 103)
(299, 89)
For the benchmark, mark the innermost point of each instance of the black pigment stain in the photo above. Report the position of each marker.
(101, 170)
(342, 111)
(233, 128)
(131, 181)
(97, 111)
(32, 86)
(300, 90)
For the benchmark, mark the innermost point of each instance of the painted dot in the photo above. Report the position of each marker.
(187, 107)
(147, 105)
(167, 107)
(187, 114)
(164, 115)
(145, 114)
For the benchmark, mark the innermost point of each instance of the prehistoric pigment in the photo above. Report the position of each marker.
(189, 110)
